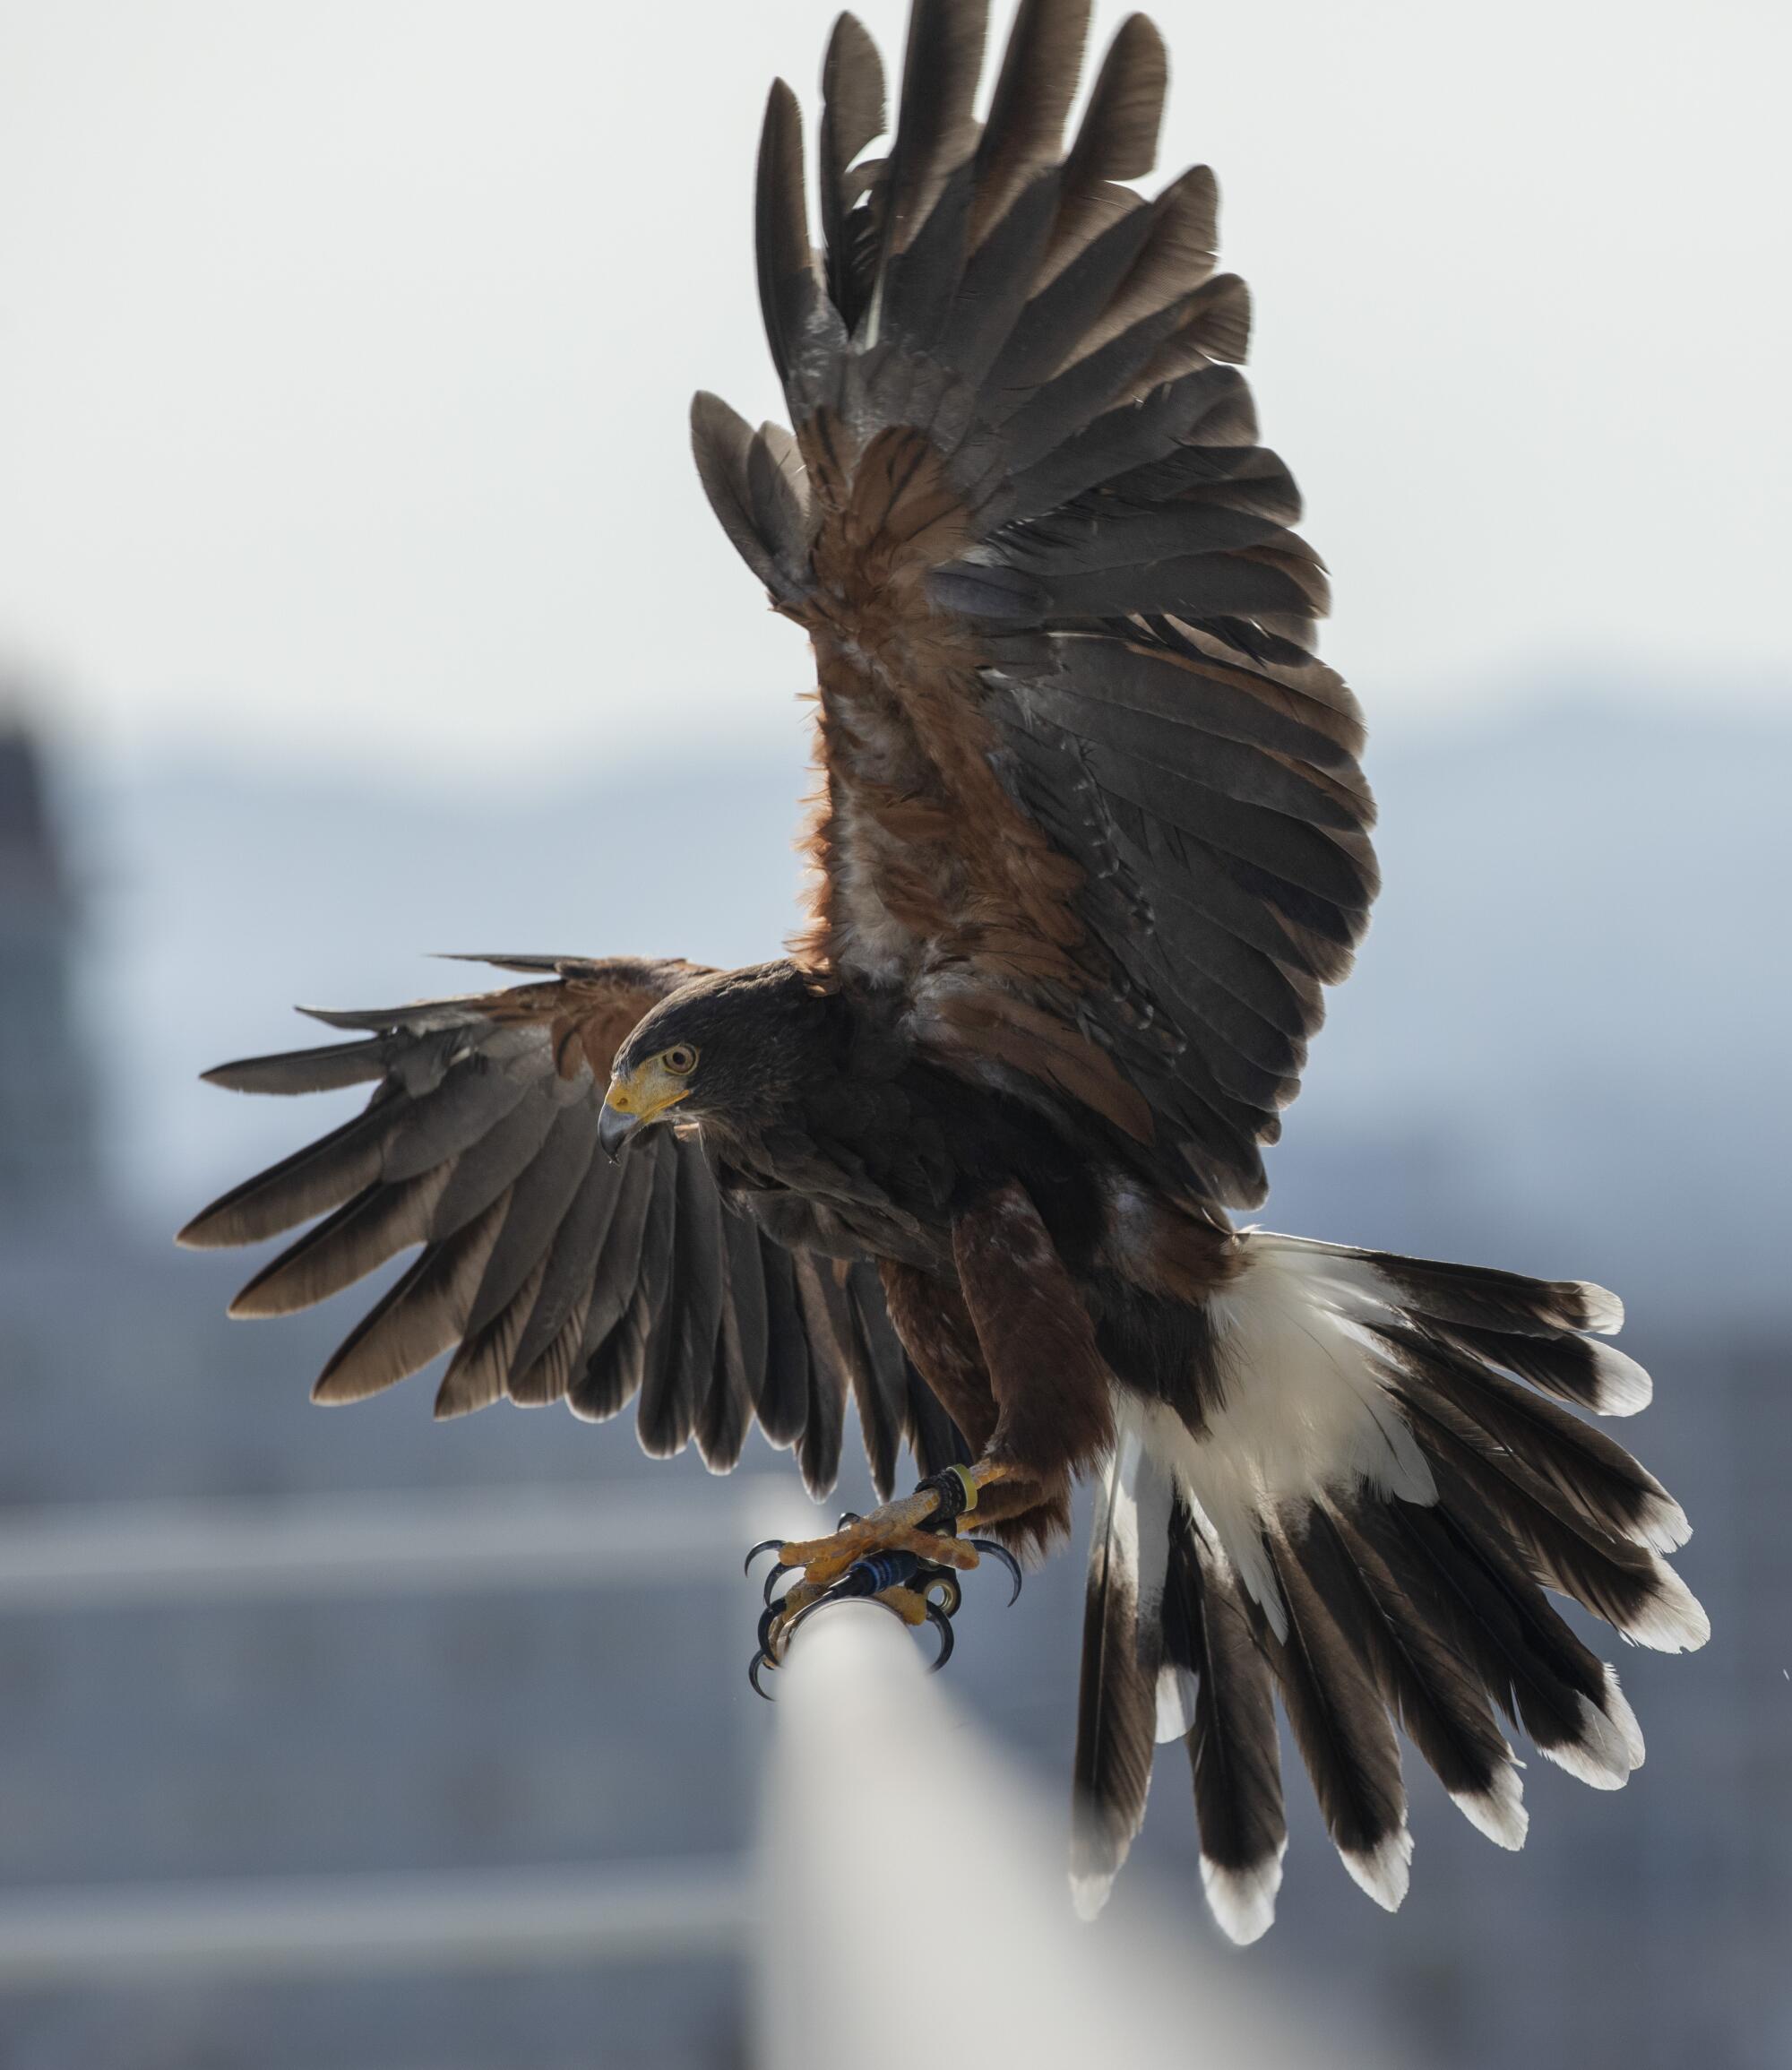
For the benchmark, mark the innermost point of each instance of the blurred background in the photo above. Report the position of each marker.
(358, 600)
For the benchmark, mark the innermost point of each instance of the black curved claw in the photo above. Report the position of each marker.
(764, 1545)
(1000, 1552)
(941, 1624)
(771, 1580)
(762, 1659)
(763, 1632)
(848, 1516)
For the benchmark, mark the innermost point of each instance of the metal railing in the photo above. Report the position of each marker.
(913, 1904)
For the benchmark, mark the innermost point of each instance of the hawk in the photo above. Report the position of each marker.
(1091, 838)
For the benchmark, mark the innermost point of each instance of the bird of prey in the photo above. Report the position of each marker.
(1092, 839)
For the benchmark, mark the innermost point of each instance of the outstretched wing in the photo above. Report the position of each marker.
(551, 1271)
(1088, 796)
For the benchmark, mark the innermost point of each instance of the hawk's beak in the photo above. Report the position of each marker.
(614, 1129)
(633, 1102)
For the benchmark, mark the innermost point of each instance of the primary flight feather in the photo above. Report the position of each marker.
(1092, 839)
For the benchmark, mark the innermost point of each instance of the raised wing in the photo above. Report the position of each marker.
(1089, 797)
(551, 1271)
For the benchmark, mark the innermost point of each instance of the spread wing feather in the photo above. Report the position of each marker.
(1086, 788)
(548, 1272)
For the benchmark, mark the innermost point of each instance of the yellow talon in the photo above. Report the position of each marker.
(911, 1536)
(825, 1559)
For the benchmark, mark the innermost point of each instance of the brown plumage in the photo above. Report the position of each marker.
(1091, 838)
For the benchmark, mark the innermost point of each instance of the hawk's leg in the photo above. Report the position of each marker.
(1010, 1333)
(905, 1556)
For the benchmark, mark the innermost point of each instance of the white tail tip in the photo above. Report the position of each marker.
(1498, 1811)
(1385, 1870)
(1242, 1900)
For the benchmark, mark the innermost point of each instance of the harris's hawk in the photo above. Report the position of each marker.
(1092, 839)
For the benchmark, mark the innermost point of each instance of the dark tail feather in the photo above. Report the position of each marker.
(1339, 1719)
(1470, 1589)
(1595, 1480)
(1215, 1684)
(1425, 1682)
(1630, 1586)
(1122, 1644)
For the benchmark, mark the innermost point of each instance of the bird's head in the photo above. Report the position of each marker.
(725, 1047)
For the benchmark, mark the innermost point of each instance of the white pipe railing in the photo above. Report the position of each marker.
(914, 1906)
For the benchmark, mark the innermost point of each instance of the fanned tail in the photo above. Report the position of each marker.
(1368, 1521)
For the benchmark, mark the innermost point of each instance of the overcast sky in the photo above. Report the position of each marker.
(345, 349)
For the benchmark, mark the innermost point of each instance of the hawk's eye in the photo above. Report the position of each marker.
(680, 1059)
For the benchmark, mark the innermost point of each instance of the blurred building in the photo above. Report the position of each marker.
(341, 1740)
(46, 1107)
(188, 1754)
